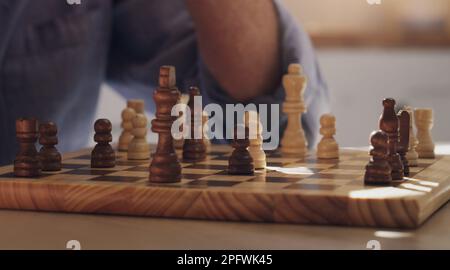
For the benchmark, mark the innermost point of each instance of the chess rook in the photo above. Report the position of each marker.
(378, 171)
(165, 166)
(412, 154)
(49, 156)
(194, 150)
(294, 141)
(390, 125)
(328, 147)
(27, 163)
(139, 148)
(240, 161)
(424, 124)
(103, 155)
(252, 121)
(402, 147)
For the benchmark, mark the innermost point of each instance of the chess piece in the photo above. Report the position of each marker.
(390, 125)
(252, 121)
(194, 149)
(424, 124)
(403, 144)
(49, 156)
(412, 156)
(139, 148)
(378, 171)
(294, 141)
(27, 163)
(127, 125)
(165, 167)
(178, 143)
(328, 147)
(240, 161)
(103, 155)
(206, 140)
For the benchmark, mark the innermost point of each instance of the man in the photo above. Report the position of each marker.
(54, 57)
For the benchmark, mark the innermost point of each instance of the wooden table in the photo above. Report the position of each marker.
(33, 230)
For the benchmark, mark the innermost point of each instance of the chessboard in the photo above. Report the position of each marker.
(290, 190)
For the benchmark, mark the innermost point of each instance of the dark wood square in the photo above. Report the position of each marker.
(11, 175)
(90, 172)
(113, 178)
(332, 176)
(72, 166)
(213, 183)
(207, 167)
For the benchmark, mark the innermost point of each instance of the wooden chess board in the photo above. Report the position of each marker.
(291, 190)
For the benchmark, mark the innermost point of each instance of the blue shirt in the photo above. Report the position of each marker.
(55, 56)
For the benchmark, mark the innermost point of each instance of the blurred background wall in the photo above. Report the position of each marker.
(399, 49)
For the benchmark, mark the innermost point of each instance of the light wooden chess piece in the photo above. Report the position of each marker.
(206, 140)
(412, 156)
(294, 141)
(424, 123)
(328, 147)
(252, 121)
(178, 143)
(139, 149)
(127, 126)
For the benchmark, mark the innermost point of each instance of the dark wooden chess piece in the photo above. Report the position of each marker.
(194, 149)
(26, 163)
(378, 171)
(403, 145)
(49, 156)
(165, 166)
(390, 125)
(103, 155)
(240, 161)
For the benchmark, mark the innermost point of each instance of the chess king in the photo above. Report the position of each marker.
(294, 141)
(165, 166)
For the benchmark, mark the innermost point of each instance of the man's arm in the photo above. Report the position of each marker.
(239, 42)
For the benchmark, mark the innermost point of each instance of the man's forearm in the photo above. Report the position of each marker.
(239, 43)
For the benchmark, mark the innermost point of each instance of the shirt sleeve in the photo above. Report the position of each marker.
(296, 47)
(143, 40)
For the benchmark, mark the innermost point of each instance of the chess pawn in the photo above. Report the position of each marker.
(49, 156)
(255, 149)
(240, 161)
(294, 141)
(412, 156)
(127, 125)
(378, 171)
(206, 140)
(139, 148)
(424, 124)
(328, 147)
(389, 123)
(194, 149)
(27, 163)
(103, 155)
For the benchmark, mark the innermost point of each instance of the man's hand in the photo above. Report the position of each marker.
(239, 42)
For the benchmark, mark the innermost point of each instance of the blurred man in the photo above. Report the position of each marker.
(54, 57)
